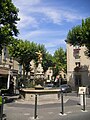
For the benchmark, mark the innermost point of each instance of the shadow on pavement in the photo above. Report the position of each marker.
(11, 98)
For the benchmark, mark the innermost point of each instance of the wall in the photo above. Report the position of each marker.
(84, 68)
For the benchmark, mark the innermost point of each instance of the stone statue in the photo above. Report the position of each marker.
(39, 56)
(39, 75)
(32, 66)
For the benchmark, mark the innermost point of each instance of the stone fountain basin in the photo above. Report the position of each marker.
(29, 94)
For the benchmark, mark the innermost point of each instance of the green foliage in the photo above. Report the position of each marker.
(74, 36)
(80, 35)
(47, 61)
(8, 21)
(23, 52)
(59, 61)
(55, 70)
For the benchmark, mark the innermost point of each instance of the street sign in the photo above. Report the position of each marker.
(82, 93)
(82, 90)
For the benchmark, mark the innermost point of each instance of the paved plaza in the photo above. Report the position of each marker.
(48, 108)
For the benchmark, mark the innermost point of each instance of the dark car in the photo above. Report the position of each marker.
(49, 85)
(66, 88)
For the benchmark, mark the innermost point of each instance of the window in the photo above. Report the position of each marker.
(77, 64)
(20, 68)
(76, 51)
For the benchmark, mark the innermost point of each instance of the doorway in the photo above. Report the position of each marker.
(78, 80)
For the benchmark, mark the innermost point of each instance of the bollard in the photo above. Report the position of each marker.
(35, 112)
(83, 101)
(62, 105)
(2, 116)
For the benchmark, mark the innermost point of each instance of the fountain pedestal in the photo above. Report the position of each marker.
(39, 87)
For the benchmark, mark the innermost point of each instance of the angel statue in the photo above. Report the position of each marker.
(39, 56)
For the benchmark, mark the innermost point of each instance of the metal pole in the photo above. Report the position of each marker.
(62, 105)
(83, 101)
(8, 82)
(35, 113)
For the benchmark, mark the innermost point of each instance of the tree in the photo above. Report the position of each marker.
(80, 35)
(47, 61)
(8, 21)
(23, 52)
(59, 61)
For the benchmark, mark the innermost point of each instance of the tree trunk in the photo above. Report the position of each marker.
(24, 73)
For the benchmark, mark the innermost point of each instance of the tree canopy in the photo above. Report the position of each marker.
(47, 61)
(59, 60)
(8, 21)
(25, 51)
(80, 35)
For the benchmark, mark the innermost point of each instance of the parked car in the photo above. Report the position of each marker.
(49, 85)
(66, 88)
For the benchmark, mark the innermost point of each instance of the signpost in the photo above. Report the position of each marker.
(82, 93)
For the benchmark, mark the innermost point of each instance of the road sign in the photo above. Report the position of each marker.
(82, 90)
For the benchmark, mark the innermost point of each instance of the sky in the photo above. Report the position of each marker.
(47, 22)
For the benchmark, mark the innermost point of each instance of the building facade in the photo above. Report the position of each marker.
(8, 70)
(78, 66)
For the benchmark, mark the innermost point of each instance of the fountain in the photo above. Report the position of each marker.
(28, 93)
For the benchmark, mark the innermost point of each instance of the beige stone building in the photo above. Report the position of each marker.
(49, 75)
(78, 66)
(8, 68)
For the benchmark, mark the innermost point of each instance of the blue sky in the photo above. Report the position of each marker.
(48, 21)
